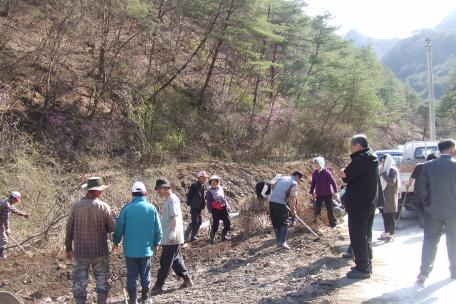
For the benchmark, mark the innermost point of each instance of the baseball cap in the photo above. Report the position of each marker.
(139, 187)
(162, 183)
(203, 173)
(17, 195)
(298, 174)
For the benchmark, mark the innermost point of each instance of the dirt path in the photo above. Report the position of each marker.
(396, 266)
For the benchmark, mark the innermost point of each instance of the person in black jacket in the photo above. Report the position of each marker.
(363, 181)
(196, 201)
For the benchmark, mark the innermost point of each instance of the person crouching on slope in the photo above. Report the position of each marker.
(218, 207)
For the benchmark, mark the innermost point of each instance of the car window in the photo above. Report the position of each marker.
(423, 152)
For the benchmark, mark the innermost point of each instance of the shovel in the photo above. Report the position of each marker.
(400, 211)
(317, 237)
(26, 252)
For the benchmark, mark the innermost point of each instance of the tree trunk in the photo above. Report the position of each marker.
(214, 58)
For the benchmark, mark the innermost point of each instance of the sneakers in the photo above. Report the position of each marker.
(386, 236)
(356, 274)
(284, 246)
(383, 236)
(421, 279)
(187, 283)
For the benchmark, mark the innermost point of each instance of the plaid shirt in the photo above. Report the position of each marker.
(5, 209)
(88, 226)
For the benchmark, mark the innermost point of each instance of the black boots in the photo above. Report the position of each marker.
(282, 239)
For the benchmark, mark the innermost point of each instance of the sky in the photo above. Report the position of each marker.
(383, 18)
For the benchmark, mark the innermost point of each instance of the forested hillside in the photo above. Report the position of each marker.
(158, 79)
(407, 57)
(408, 60)
(380, 46)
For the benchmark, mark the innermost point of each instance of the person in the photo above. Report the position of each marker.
(320, 189)
(86, 241)
(416, 178)
(139, 226)
(362, 177)
(390, 181)
(197, 202)
(7, 207)
(173, 238)
(219, 208)
(284, 192)
(262, 191)
(438, 193)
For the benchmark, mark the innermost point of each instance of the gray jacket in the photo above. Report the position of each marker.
(438, 187)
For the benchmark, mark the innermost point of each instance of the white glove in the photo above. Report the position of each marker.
(209, 215)
(172, 236)
(8, 231)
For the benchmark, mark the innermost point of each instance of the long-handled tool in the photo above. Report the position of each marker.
(317, 237)
(28, 253)
(402, 207)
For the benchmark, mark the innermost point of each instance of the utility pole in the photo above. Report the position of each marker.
(432, 133)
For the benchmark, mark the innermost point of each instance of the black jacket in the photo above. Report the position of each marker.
(363, 183)
(195, 196)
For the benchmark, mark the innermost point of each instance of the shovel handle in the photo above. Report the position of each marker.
(28, 253)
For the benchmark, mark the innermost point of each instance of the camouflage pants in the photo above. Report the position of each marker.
(100, 268)
(3, 238)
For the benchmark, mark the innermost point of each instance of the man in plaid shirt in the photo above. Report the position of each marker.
(86, 241)
(6, 206)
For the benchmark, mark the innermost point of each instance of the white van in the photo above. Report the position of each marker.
(415, 152)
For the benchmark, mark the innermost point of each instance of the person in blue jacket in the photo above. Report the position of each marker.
(139, 226)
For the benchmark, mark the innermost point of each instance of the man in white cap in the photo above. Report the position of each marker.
(6, 206)
(139, 226)
(196, 202)
(86, 241)
(173, 238)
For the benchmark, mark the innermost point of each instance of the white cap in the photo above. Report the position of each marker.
(214, 177)
(16, 195)
(138, 187)
(202, 173)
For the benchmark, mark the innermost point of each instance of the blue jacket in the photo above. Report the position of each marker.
(139, 225)
(281, 189)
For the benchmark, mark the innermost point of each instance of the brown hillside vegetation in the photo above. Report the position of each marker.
(148, 78)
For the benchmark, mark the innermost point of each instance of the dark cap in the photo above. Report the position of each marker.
(298, 174)
(162, 183)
